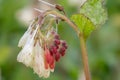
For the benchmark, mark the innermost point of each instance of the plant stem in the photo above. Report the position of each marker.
(84, 57)
(82, 41)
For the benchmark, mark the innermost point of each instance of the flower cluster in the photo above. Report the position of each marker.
(41, 47)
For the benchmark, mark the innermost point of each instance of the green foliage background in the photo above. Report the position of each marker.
(103, 45)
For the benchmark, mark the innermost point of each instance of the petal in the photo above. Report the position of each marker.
(24, 38)
(26, 56)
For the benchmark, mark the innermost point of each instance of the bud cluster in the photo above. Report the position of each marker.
(58, 47)
(54, 50)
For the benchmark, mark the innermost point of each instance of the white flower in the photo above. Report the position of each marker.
(24, 38)
(32, 54)
(26, 54)
(39, 65)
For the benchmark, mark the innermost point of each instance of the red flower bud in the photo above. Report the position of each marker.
(57, 56)
(62, 54)
(57, 36)
(57, 42)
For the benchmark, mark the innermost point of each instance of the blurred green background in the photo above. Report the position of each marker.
(103, 45)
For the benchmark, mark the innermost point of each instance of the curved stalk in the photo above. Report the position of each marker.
(82, 41)
(64, 18)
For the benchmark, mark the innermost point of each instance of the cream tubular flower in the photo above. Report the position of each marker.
(26, 54)
(24, 38)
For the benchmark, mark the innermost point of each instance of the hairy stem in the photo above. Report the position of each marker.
(82, 41)
(84, 57)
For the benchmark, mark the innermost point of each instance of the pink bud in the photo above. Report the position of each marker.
(65, 46)
(62, 49)
(49, 60)
(54, 50)
(57, 56)
(47, 56)
(57, 36)
(57, 42)
(63, 53)
(52, 63)
(57, 46)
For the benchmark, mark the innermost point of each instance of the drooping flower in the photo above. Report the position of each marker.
(39, 62)
(41, 47)
(26, 54)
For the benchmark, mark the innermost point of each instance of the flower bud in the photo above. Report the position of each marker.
(57, 56)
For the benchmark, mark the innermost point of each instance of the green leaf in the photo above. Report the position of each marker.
(95, 11)
(84, 24)
(5, 52)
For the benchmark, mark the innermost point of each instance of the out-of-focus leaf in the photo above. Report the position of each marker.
(95, 11)
(23, 73)
(4, 54)
(84, 24)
